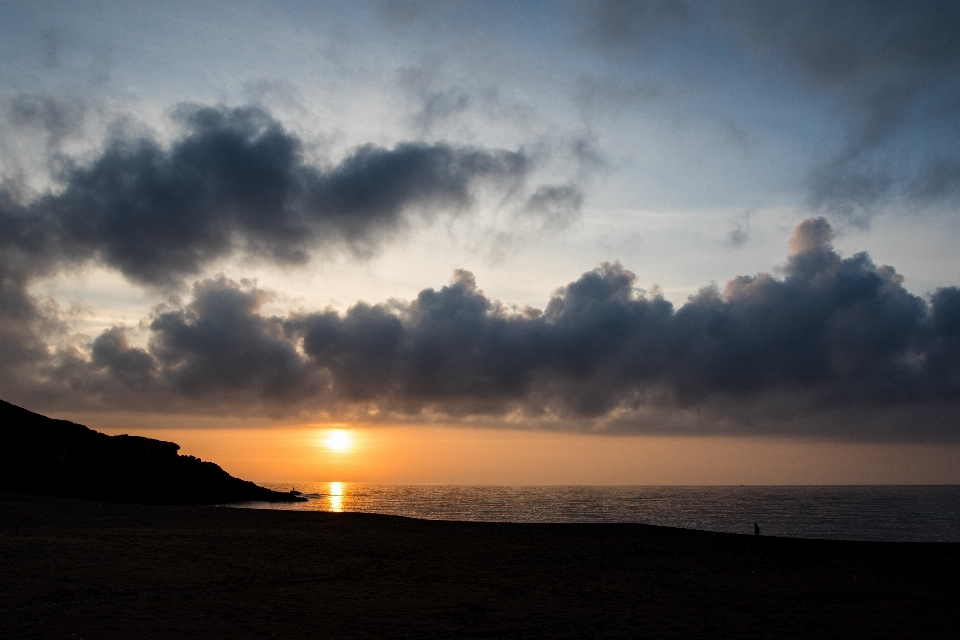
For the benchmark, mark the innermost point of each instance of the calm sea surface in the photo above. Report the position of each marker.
(894, 513)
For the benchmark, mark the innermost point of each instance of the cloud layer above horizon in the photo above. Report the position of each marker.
(517, 145)
(824, 346)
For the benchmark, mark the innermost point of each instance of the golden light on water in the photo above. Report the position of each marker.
(338, 440)
(336, 496)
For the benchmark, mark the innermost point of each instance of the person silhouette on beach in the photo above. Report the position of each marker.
(756, 529)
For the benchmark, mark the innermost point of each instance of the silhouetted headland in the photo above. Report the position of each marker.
(43, 456)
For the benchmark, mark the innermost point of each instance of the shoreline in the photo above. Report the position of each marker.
(117, 570)
(879, 513)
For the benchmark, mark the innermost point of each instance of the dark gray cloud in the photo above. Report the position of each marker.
(739, 234)
(891, 69)
(555, 205)
(219, 343)
(34, 130)
(639, 26)
(52, 41)
(57, 117)
(235, 181)
(437, 105)
(885, 70)
(827, 346)
(23, 326)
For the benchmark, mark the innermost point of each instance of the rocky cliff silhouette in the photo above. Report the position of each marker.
(43, 456)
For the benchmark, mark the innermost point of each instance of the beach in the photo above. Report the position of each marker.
(81, 569)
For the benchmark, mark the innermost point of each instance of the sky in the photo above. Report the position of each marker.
(493, 242)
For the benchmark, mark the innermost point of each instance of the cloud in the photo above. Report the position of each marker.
(890, 68)
(23, 326)
(437, 105)
(555, 205)
(220, 343)
(57, 117)
(34, 130)
(884, 72)
(640, 27)
(826, 346)
(739, 235)
(236, 181)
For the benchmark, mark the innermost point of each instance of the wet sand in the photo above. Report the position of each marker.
(77, 569)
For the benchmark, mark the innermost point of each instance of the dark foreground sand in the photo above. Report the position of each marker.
(75, 569)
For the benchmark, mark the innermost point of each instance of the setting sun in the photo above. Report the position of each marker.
(338, 440)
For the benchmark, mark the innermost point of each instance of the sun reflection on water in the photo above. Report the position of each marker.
(336, 497)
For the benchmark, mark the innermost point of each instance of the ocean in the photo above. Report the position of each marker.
(886, 513)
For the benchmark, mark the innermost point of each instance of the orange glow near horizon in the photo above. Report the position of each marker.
(456, 455)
